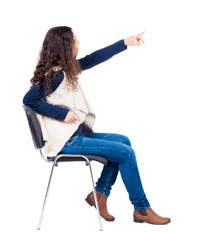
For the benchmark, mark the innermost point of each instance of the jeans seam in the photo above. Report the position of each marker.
(111, 172)
(135, 178)
(114, 149)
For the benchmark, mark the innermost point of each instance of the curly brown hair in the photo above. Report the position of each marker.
(57, 51)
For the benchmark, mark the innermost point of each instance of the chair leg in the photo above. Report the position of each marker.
(45, 199)
(95, 197)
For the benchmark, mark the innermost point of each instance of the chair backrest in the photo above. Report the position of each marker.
(34, 126)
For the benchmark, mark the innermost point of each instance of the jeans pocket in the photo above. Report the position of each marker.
(73, 139)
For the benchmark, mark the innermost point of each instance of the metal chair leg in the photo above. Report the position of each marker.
(45, 199)
(95, 197)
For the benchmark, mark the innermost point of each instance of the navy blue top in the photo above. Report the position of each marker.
(34, 98)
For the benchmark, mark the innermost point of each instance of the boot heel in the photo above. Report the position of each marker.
(88, 201)
(137, 220)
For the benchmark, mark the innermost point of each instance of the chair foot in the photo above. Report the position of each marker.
(46, 195)
(95, 198)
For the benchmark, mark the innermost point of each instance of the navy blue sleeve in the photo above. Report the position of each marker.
(34, 98)
(101, 55)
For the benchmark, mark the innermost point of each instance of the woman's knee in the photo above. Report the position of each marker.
(127, 154)
(125, 140)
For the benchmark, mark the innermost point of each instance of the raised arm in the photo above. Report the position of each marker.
(102, 55)
(106, 53)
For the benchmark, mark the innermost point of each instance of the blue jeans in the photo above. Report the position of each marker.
(121, 157)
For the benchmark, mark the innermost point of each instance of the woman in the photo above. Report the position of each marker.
(67, 118)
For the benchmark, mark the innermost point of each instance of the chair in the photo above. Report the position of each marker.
(39, 144)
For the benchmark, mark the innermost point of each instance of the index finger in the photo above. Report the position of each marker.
(140, 33)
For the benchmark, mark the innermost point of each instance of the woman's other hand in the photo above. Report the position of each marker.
(134, 40)
(71, 117)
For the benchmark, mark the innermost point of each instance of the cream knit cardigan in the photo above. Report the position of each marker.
(56, 133)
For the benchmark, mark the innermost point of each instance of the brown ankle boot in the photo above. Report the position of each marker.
(102, 201)
(149, 216)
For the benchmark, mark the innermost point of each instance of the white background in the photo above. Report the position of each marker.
(149, 93)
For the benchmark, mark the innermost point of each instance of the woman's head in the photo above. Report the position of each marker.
(59, 49)
(61, 41)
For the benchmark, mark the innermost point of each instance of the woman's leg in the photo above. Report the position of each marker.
(111, 169)
(123, 156)
(108, 176)
(115, 152)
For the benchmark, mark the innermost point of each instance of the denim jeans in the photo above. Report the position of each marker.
(121, 158)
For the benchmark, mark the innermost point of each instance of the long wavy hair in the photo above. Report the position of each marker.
(57, 51)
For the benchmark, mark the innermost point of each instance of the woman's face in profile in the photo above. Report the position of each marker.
(76, 45)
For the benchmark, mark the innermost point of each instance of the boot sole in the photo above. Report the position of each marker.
(89, 202)
(137, 220)
(141, 221)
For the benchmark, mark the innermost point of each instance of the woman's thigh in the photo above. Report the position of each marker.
(98, 144)
(109, 137)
